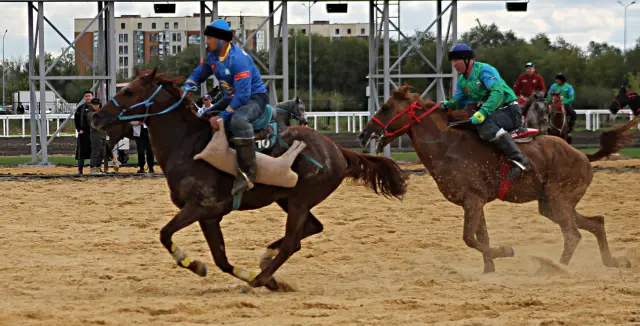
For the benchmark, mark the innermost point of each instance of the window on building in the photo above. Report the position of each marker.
(153, 25)
(126, 49)
(153, 37)
(166, 25)
(121, 60)
(175, 25)
(154, 50)
(126, 38)
(179, 37)
(123, 25)
(348, 31)
(362, 31)
(337, 31)
(179, 48)
(120, 49)
(139, 25)
(174, 49)
(174, 38)
(120, 38)
(126, 61)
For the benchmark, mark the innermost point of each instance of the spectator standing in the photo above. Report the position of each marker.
(83, 128)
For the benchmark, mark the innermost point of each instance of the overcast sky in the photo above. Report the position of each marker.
(577, 21)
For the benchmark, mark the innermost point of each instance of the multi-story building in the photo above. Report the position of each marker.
(334, 31)
(140, 38)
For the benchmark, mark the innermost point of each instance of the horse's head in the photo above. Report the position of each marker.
(146, 95)
(392, 119)
(556, 103)
(299, 111)
(623, 99)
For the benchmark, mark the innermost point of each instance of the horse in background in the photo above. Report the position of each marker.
(558, 122)
(534, 112)
(625, 97)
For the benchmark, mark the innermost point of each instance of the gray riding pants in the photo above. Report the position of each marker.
(245, 115)
(508, 118)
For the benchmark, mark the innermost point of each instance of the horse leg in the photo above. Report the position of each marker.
(595, 225)
(475, 224)
(561, 213)
(296, 219)
(185, 217)
(311, 226)
(215, 240)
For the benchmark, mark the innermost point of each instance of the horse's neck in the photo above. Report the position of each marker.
(428, 138)
(173, 135)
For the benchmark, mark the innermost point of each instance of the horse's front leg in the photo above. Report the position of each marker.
(476, 236)
(189, 214)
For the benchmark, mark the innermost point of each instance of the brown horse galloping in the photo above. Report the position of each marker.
(203, 193)
(467, 172)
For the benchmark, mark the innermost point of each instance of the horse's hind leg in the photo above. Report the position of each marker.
(213, 234)
(475, 225)
(311, 226)
(560, 212)
(595, 225)
(185, 217)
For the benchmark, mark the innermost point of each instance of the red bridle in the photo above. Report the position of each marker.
(412, 117)
(631, 96)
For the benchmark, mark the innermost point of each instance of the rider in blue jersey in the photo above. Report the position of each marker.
(243, 89)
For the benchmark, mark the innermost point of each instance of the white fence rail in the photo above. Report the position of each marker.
(355, 121)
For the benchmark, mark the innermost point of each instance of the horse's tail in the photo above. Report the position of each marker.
(381, 174)
(611, 141)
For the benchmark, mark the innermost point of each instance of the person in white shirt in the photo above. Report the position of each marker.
(143, 144)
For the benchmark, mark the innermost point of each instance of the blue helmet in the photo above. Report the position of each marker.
(461, 51)
(219, 29)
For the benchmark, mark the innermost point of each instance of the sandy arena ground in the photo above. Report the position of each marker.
(87, 251)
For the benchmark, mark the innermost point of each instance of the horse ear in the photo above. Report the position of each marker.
(152, 75)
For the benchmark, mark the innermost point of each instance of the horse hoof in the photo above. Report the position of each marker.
(198, 267)
(507, 251)
(489, 269)
(623, 262)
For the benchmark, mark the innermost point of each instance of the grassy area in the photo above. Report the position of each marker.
(133, 159)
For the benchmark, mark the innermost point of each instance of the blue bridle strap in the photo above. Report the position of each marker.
(148, 103)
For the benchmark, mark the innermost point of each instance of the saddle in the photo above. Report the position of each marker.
(265, 130)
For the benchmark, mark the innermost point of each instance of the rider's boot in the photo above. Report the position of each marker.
(512, 152)
(246, 157)
(572, 123)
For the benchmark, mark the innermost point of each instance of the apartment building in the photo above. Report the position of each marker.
(141, 38)
(334, 31)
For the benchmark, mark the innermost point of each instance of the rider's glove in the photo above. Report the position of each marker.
(445, 105)
(477, 118)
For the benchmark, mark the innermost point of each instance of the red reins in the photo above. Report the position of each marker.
(412, 118)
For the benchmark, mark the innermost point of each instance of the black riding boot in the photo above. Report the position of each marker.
(512, 152)
(572, 123)
(246, 157)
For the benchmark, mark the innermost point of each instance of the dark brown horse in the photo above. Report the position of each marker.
(467, 172)
(203, 193)
(625, 97)
(558, 120)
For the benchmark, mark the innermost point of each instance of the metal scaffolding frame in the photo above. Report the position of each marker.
(105, 60)
(381, 24)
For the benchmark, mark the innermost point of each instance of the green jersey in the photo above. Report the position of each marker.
(485, 86)
(565, 90)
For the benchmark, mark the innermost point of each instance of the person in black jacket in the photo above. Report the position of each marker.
(81, 121)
